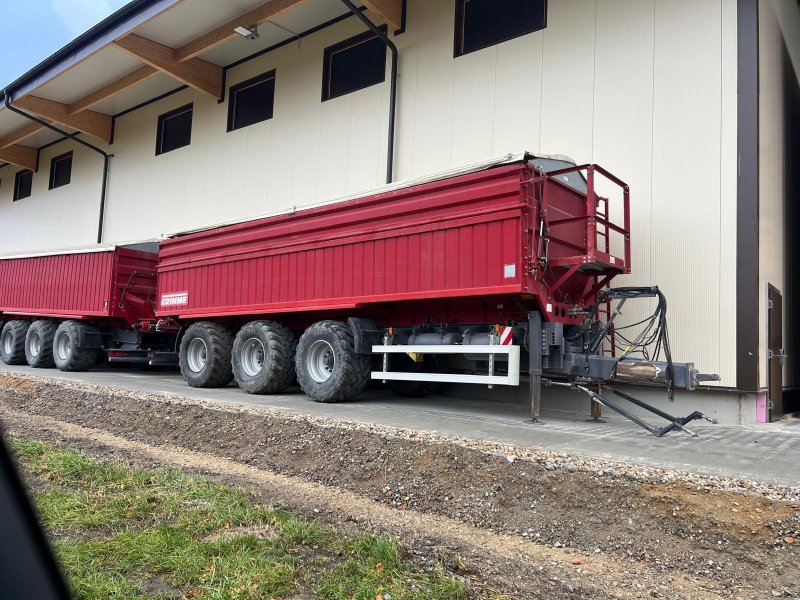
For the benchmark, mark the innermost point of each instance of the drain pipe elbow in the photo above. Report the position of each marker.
(393, 85)
(74, 137)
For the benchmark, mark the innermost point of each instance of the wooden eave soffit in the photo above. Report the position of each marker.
(391, 11)
(198, 74)
(22, 156)
(87, 121)
(181, 63)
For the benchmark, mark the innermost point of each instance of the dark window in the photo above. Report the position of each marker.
(23, 182)
(483, 23)
(251, 101)
(174, 129)
(60, 170)
(354, 64)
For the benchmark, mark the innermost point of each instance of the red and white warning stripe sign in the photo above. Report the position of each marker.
(506, 336)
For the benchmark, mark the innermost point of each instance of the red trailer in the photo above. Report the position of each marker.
(462, 248)
(60, 308)
(459, 277)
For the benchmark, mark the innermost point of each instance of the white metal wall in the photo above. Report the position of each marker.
(644, 87)
(59, 218)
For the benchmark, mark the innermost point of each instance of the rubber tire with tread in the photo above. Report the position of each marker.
(219, 345)
(47, 333)
(18, 330)
(432, 363)
(78, 359)
(351, 373)
(439, 363)
(403, 363)
(278, 370)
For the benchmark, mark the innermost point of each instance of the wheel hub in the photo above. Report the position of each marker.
(320, 361)
(35, 345)
(252, 357)
(62, 346)
(8, 342)
(197, 355)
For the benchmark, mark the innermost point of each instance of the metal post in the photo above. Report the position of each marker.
(491, 357)
(591, 224)
(535, 363)
(595, 409)
(385, 357)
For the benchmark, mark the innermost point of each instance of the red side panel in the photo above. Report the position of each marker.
(79, 285)
(134, 294)
(461, 237)
(61, 284)
(486, 246)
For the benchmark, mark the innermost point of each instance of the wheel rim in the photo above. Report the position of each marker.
(34, 344)
(252, 357)
(320, 361)
(197, 355)
(8, 342)
(62, 346)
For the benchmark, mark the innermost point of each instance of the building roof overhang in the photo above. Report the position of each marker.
(146, 49)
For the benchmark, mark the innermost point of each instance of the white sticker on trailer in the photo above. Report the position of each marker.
(175, 299)
(509, 271)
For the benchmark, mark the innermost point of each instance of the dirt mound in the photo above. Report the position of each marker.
(725, 544)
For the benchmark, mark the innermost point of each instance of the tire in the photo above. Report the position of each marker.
(438, 364)
(263, 357)
(205, 355)
(403, 363)
(328, 367)
(431, 363)
(67, 356)
(12, 342)
(39, 344)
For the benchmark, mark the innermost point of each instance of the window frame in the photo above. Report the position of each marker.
(17, 176)
(351, 42)
(160, 128)
(458, 36)
(235, 89)
(53, 162)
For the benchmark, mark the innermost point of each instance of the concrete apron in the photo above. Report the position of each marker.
(726, 406)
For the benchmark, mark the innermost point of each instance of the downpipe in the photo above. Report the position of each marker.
(393, 89)
(73, 136)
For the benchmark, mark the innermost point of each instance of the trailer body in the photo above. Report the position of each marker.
(465, 249)
(111, 284)
(75, 308)
(464, 277)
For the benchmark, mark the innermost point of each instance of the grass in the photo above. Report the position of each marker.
(122, 532)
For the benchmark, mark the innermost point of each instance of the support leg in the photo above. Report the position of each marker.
(535, 363)
(536, 397)
(596, 411)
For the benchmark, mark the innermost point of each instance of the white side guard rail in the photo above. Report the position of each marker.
(491, 379)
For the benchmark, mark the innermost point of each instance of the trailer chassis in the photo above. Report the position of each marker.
(558, 355)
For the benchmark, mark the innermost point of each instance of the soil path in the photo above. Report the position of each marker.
(516, 527)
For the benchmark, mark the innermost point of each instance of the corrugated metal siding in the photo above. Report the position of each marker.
(685, 232)
(64, 217)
